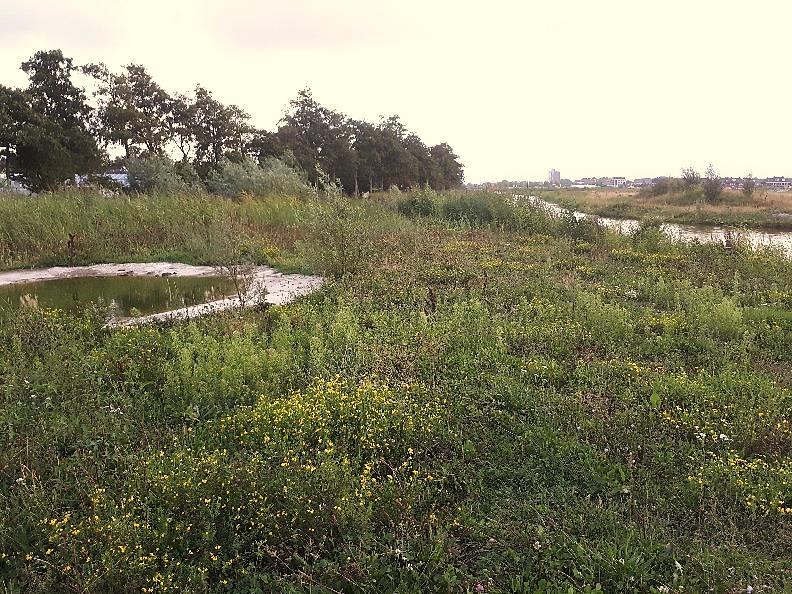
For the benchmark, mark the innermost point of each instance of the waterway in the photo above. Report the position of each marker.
(757, 239)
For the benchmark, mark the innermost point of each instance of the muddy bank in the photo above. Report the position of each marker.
(135, 269)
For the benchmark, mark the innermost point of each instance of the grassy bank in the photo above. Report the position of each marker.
(766, 210)
(482, 400)
(197, 229)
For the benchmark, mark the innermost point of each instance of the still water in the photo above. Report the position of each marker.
(124, 296)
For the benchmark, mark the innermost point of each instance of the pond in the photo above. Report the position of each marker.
(124, 296)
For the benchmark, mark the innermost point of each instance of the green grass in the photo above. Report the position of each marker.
(481, 398)
(194, 229)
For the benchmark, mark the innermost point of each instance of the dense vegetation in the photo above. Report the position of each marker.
(53, 130)
(481, 399)
(195, 229)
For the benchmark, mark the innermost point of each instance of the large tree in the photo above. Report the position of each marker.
(421, 166)
(14, 113)
(133, 110)
(47, 154)
(449, 171)
(52, 91)
(53, 140)
(369, 146)
(151, 104)
(218, 130)
(48, 132)
(398, 165)
(180, 120)
(263, 145)
(319, 138)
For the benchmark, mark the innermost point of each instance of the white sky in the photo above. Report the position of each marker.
(608, 87)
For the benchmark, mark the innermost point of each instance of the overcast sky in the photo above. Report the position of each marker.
(516, 87)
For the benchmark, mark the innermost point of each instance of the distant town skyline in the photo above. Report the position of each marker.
(553, 173)
(554, 179)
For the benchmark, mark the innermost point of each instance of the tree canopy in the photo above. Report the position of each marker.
(44, 129)
(53, 129)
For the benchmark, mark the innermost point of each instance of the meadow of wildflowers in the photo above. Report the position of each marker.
(482, 398)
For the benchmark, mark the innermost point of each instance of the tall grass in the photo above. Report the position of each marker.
(34, 231)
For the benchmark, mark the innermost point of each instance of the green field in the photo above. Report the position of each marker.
(481, 399)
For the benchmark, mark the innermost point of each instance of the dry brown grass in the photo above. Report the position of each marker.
(762, 210)
(731, 199)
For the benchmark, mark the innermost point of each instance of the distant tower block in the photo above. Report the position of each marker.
(554, 177)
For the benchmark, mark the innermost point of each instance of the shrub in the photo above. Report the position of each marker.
(650, 234)
(340, 238)
(712, 185)
(422, 203)
(660, 187)
(608, 323)
(189, 175)
(479, 208)
(582, 228)
(749, 186)
(273, 178)
(713, 314)
(690, 177)
(154, 174)
(669, 185)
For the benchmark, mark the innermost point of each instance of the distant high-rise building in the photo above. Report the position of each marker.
(554, 177)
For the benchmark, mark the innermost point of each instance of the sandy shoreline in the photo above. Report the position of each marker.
(30, 275)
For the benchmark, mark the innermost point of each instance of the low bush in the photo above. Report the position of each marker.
(273, 178)
(160, 175)
(423, 203)
(478, 208)
(340, 239)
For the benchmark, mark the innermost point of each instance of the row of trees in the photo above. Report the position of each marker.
(54, 129)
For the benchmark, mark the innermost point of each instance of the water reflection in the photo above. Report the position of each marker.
(123, 296)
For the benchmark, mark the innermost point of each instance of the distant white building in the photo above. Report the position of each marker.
(554, 177)
(778, 183)
(614, 182)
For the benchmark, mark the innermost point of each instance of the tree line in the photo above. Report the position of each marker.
(54, 129)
